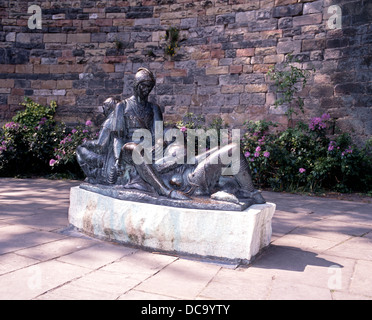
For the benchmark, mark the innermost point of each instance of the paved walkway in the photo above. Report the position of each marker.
(321, 249)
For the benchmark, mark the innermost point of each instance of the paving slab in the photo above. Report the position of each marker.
(97, 285)
(305, 267)
(355, 218)
(17, 209)
(284, 222)
(183, 279)
(97, 256)
(332, 230)
(53, 221)
(32, 281)
(16, 237)
(237, 285)
(10, 262)
(140, 265)
(362, 281)
(305, 242)
(56, 249)
(289, 290)
(359, 248)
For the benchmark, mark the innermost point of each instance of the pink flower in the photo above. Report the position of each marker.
(42, 120)
(247, 154)
(73, 131)
(266, 154)
(319, 123)
(349, 150)
(331, 145)
(302, 170)
(256, 154)
(183, 129)
(12, 125)
(258, 149)
(52, 162)
(261, 141)
(88, 123)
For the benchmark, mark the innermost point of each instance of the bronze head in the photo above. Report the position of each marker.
(144, 82)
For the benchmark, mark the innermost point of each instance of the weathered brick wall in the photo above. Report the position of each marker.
(88, 50)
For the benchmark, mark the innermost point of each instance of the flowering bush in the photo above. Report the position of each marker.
(12, 146)
(33, 143)
(319, 124)
(65, 152)
(257, 148)
(303, 158)
(28, 140)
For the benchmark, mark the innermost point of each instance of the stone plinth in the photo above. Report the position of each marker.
(228, 235)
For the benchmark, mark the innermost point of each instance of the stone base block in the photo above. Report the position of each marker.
(226, 235)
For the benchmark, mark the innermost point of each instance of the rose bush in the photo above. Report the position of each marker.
(304, 158)
(64, 155)
(28, 140)
(31, 144)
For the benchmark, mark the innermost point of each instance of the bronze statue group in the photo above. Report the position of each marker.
(119, 156)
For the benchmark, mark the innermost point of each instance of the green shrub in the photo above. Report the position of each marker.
(303, 158)
(289, 81)
(172, 38)
(14, 149)
(300, 158)
(34, 112)
(33, 138)
(29, 139)
(63, 158)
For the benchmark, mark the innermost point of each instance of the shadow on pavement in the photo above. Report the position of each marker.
(291, 259)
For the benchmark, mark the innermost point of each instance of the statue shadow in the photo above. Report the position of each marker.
(290, 259)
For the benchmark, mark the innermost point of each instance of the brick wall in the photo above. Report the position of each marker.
(88, 50)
